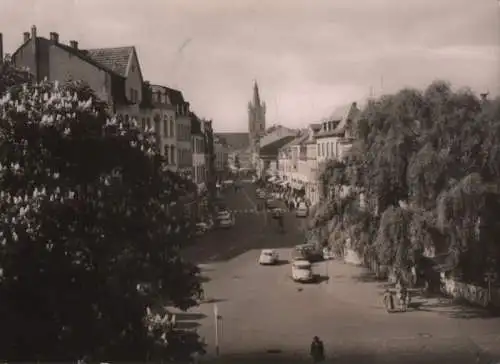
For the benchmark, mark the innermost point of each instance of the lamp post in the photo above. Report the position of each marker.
(217, 318)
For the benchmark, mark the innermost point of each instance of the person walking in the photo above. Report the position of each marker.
(317, 350)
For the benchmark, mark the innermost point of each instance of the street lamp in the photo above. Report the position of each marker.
(217, 318)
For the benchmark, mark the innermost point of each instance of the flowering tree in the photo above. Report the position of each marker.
(87, 213)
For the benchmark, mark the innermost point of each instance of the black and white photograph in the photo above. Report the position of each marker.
(250, 181)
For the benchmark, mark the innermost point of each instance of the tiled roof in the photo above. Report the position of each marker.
(274, 147)
(235, 141)
(276, 134)
(342, 116)
(299, 140)
(315, 127)
(175, 96)
(116, 59)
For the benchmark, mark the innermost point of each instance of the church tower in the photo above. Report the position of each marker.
(256, 117)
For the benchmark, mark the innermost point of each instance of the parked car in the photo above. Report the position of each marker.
(203, 227)
(310, 252)
(268, 257)
(302, 271)
(302, 210)
(328, 253)
(225, 219)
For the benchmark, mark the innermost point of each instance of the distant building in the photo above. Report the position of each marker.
(335, 139)
(163, 110)
(199, 172)
(246, 145)
(221, 158)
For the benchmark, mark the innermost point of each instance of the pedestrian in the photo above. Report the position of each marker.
(317, 350)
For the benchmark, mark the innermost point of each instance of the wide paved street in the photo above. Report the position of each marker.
(269, 318)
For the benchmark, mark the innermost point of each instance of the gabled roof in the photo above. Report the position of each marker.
(116, 59)
(236, 141)
(315, 127)
(46, 43)
(274, 147)
(341, 116)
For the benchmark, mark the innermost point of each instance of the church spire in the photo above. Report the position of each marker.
(256, 97)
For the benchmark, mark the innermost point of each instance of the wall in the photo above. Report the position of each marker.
(134, 79)
(64, 65)
(473, 294)
(198, 159)
(184, 152)
(25, 57)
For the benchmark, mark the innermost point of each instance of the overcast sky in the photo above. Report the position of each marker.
(308, 56)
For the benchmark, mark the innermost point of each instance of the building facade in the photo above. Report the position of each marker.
(163, 121)
(199, 169)
(221, 159)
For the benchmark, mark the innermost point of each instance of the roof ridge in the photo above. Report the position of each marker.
(119, 47)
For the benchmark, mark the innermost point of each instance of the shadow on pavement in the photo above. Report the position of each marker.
(188, 316)
(366, 277)
(360, 356)
(318, 278)
(278, 263)
(457, 309)
(214, 300)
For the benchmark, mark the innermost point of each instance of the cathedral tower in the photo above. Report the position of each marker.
(256, 117)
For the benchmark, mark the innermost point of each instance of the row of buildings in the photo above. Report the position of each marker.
(291, 157)
(115, 75)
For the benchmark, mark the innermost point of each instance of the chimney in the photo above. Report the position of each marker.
(33, 32)
(54, 37)
(26, 37)
(1, 48)
(73, 44)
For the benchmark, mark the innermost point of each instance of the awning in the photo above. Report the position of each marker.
(272, 179)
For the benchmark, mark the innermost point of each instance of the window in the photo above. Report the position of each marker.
(143, 123)
(172, 132)
(165, 127)
(165, 153)
(172, 154)
(148, 123)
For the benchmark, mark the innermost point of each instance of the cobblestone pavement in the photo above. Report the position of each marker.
(269, 318)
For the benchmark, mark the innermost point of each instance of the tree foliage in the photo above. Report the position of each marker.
(88, 211)
(419, 154)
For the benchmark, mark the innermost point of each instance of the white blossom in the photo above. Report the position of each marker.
(56, 175)
(14, 236)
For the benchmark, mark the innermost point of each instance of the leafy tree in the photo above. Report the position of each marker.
(88, 212)
(427, 164)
